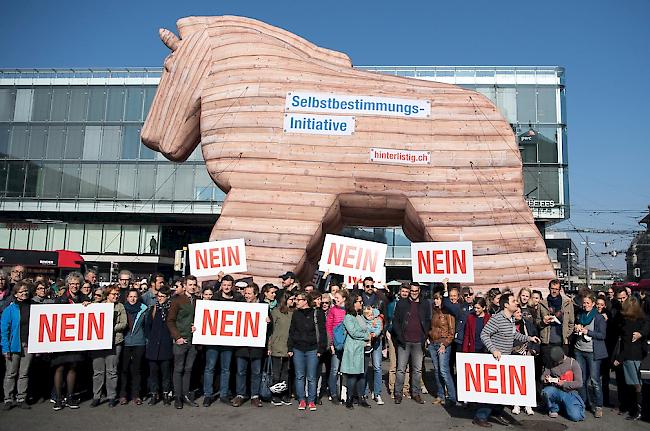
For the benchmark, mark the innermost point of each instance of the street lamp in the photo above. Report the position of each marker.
(587, 269)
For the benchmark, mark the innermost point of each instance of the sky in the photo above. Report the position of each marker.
(604, 46)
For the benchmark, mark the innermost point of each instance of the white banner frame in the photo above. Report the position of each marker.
(214, 311)
(340, 269)
(448, 261)
(213, 271)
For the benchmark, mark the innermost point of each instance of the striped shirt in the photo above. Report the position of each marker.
(500, 334)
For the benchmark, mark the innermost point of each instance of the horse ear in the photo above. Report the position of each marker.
(169, 39)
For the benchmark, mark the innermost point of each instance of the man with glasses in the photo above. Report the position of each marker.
(17, 274)
(149, 298)
(179, 322)
(556, 320)
(410, 325)
(124, 280)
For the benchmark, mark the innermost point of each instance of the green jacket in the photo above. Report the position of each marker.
(120, 323)
(568, 320)
(280, 323)
(181, 317)
(355, 343)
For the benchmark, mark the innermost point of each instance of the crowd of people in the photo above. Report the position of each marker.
(327, 342)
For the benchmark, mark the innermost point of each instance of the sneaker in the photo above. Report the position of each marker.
(516, 410)
(113, 402)
(529, 411)
(178, 402)
(552, 415)
(302, 405)
(237, 401)
(379, 401)
(599, 412)
(286, 400)
(7, 405)
(207, 401)
(277, 402)
(256, 402)
(94, 403)
(436, 400)
(312, 407)
(72, 402)
(23, 405)
(190, 401)
(58, 405)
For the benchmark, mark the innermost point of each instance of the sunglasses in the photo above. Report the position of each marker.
(467, 295)
(98, 295)
(325, 302)
(415, 291)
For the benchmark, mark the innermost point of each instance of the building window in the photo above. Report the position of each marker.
(60, 99)
(70, 183)
(23, 110)
(55, 142)
(52, 181)
(38, 237)
(115, 105)
(15, 179)
(134, 100)
(112, 238)
(75, 238)
(88, 183)
(42, 103)
(93, 238)
(5, 136)
(111, 143)
(78, 104)
(526, 107)
(546, 106)
(107, 181)
(56, 237)
(74, 142)
(19, 143)
(7, 104)
(131, 143)
(130, 239)
(37, 142)
(97, 104)
(92, 142)
(126, 180)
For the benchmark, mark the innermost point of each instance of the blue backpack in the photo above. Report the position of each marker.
(340, 334)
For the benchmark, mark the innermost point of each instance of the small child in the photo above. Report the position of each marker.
(374, 324)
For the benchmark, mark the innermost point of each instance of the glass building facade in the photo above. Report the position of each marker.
(74, 175)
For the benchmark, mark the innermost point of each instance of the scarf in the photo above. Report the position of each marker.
(555, 303)
(132, 312)
(164, 309)
(585, 318)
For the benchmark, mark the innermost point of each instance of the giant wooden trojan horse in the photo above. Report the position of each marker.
(226, 85)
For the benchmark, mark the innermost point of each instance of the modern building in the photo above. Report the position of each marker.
(638, 254)
(74, 175)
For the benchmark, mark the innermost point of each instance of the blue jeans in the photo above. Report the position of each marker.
(590, 369)
(333, 380)
(373, 376)
(212, 354)
(305, 364)
(571, 401)
(485, 410)
(256, 376)
(442, 372)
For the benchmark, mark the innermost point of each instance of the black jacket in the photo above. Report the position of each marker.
(402, 315)
(159, 340)
(302, 331)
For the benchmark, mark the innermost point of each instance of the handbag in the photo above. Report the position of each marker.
(267, 380)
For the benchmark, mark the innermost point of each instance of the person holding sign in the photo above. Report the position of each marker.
(15, 333)
(498, 336)
(307, 341)
(66, 362)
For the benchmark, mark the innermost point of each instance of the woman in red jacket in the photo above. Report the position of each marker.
(474, 325)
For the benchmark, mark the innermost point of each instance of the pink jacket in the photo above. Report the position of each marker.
(334, 317)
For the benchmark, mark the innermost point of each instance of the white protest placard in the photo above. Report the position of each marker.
(483, 379)
(353, 257)
(207, 259)
(70, 327)
(225, 323)
(435, 261)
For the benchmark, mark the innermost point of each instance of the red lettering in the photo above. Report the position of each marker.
(238, 324)
(65, 326)
(349, 254)
(436, 262)
(209, 323)
(502, 371)
(334, 256)
(474, 377)
(370, 261)
(94, 326)
(521, 382)
(224, 321)
(80, 329)
(233, 256)
(424, 262)
(487, 378)
(254, 326)
(214, 258)
(460, 262)
(201, 258)
(44, 326)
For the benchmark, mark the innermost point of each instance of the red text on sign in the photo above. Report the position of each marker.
(70, 327)
(228, 323)
(350, 256)
(495, 379)
(442, 262)
(217, 257)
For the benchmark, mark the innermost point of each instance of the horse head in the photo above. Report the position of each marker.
(172, 125)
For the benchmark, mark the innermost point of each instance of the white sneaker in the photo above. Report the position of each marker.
(529, 411)
(516, 410)
(379, 401)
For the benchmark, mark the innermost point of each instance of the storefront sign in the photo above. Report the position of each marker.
(435, 261)
(70, 327)
(483, 379)
(224, 323)
(208, 259)
(353, 257)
